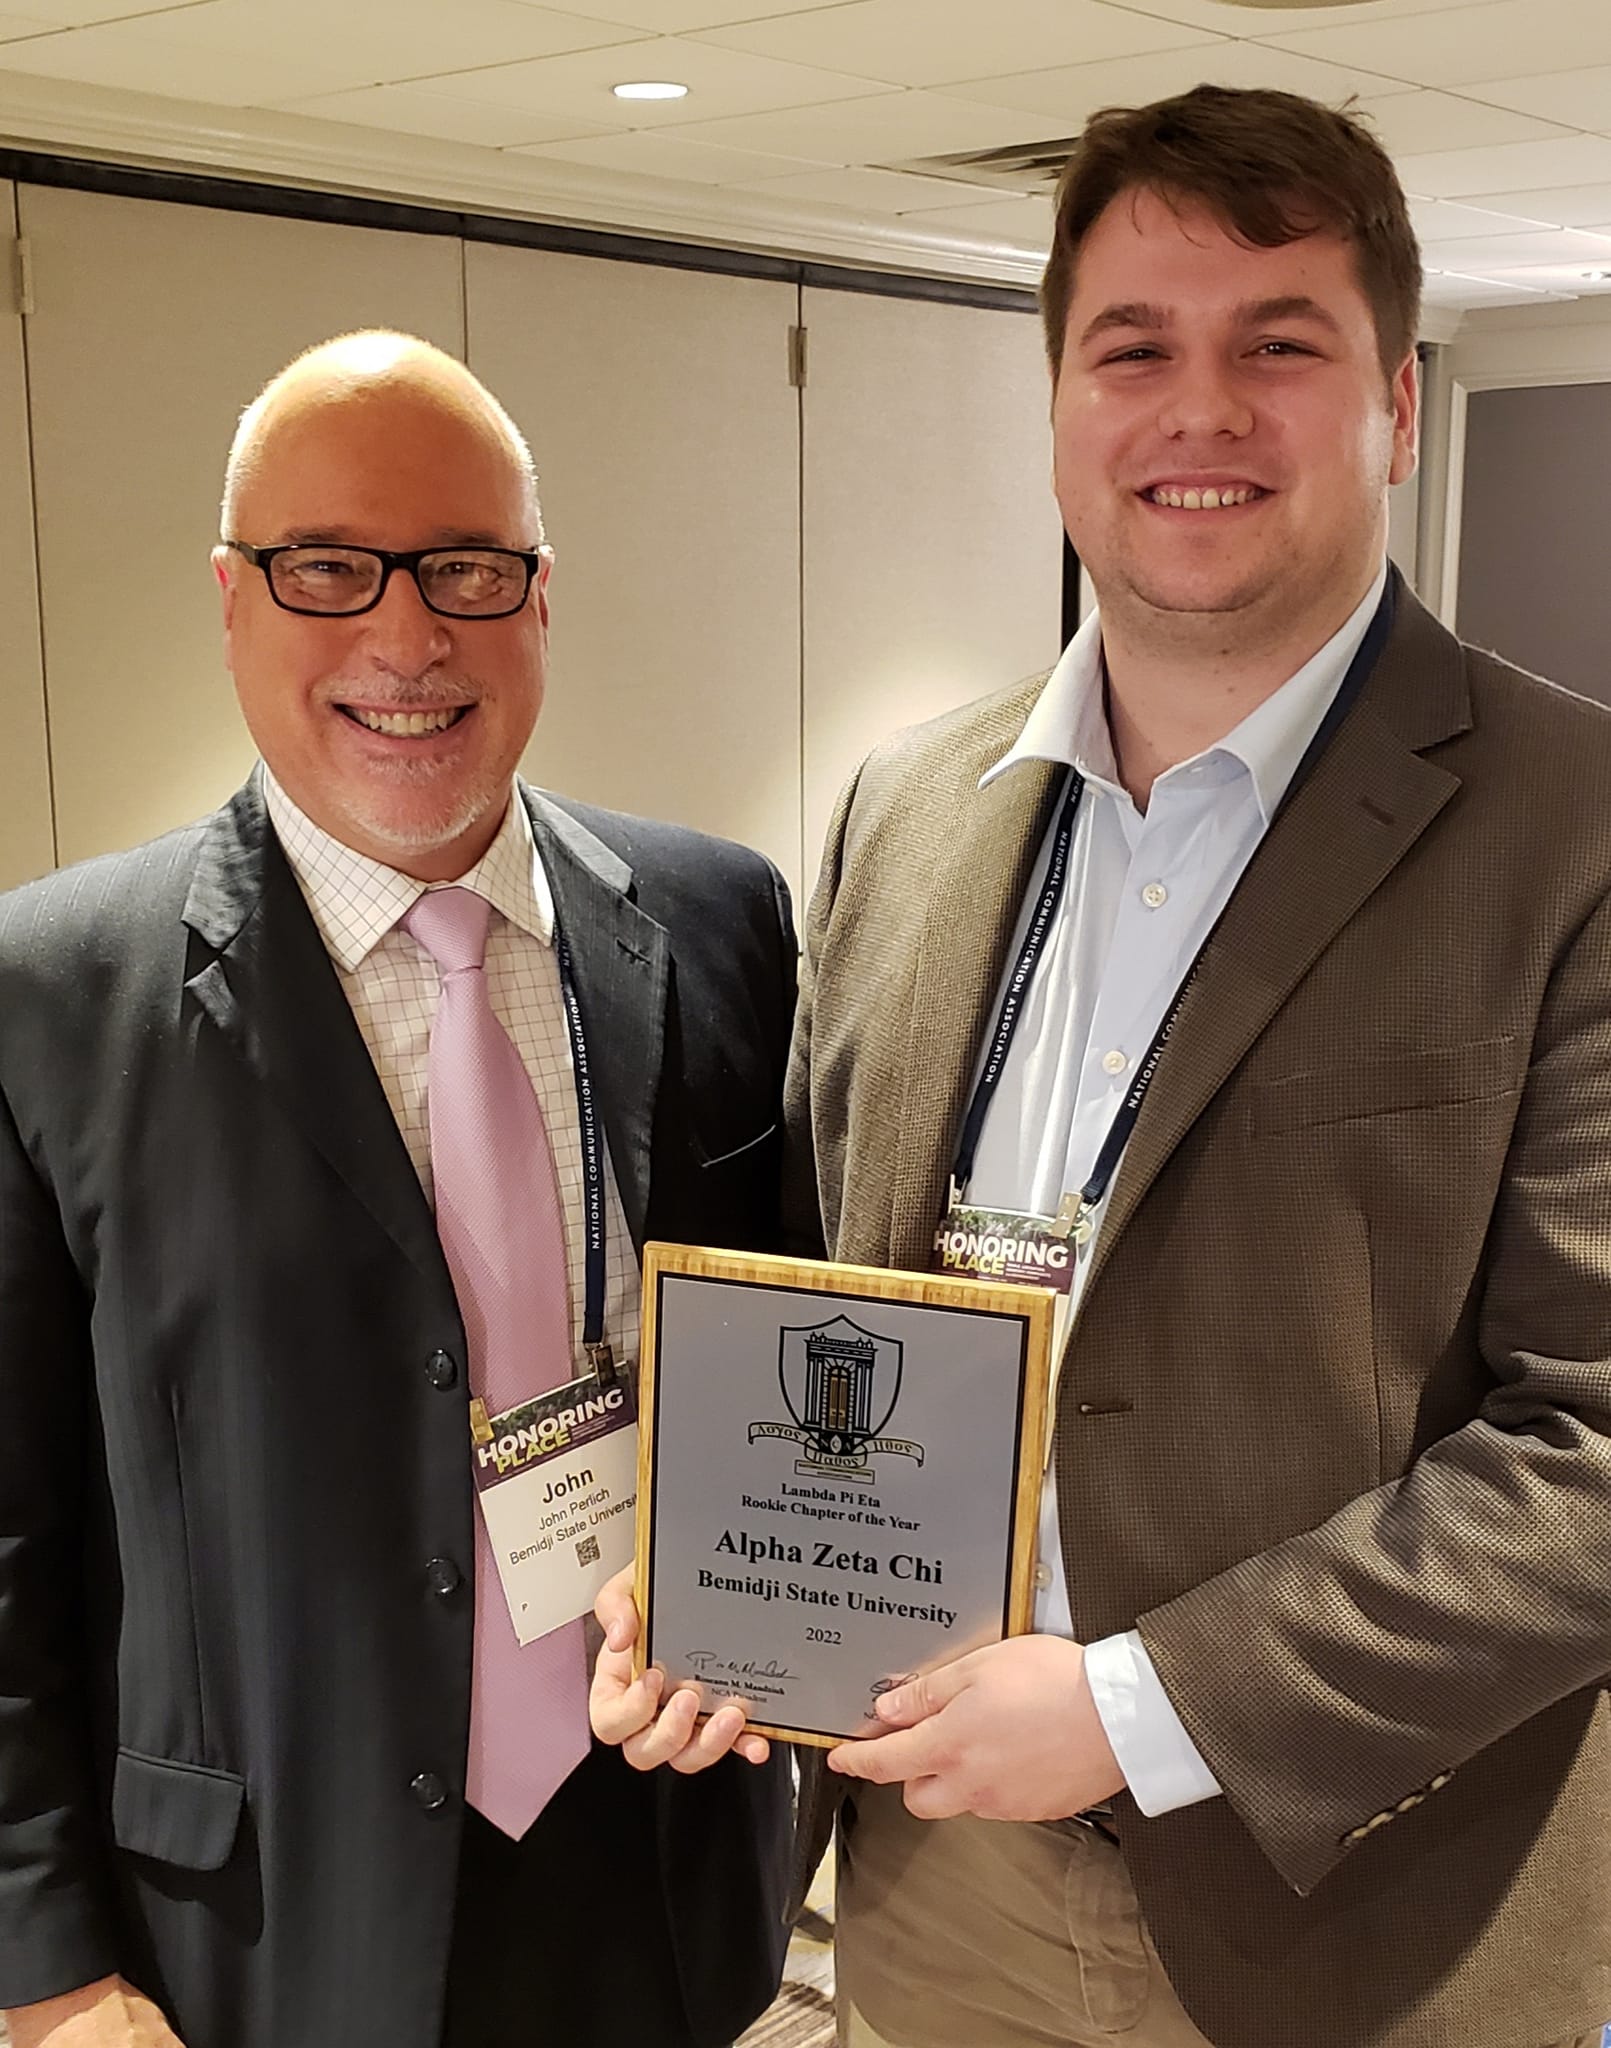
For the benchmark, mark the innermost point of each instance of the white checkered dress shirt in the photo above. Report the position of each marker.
(392, 984)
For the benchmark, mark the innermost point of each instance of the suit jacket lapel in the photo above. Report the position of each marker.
(622, 964)
(1370, 797)
(993, 838)
(261, 973)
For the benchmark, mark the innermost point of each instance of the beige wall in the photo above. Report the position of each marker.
(154, 325)
(933, 548)
(666, 432)
(27, 845)
(676, 480)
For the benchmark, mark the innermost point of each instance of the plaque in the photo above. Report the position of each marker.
(839, 1478)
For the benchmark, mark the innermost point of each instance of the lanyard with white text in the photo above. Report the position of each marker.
(1077, 1218)
(595, 1344)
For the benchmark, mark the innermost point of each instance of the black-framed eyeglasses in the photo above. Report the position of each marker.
(340, 582)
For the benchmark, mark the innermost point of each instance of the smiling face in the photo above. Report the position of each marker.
(397, 731)
(1223, 436)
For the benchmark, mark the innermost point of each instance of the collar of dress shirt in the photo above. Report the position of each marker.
(1068, 721)
(356, 901)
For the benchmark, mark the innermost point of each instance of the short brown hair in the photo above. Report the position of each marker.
(1272, 166)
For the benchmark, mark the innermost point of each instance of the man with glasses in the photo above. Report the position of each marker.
(329, 1128)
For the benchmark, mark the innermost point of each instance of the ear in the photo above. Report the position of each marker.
(1406, 396)
(223, 571)
(545, 570)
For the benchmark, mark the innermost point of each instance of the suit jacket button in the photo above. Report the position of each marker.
(442, 1373)
(443, 1577)
(429, 1790)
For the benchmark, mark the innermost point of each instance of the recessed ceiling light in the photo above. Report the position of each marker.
(650, 89)
(1597, 276)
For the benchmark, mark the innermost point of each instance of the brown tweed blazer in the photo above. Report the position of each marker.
(1335, 1418)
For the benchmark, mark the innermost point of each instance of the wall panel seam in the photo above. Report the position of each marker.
(38, 567)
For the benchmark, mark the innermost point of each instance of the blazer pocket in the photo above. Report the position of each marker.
(1386, 1083)
(735, 1152)
(177, 1813)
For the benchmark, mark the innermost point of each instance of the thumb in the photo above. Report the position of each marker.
(617, 1611)
(917, 1699)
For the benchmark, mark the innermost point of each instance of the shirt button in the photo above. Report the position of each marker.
(442, 1373)
(443, 1577)
(1155, 895)
(430, 1791)
(1114, 1062)
(1043, 1576)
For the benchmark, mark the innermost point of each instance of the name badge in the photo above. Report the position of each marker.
(557, 1480)
(1020, 1249)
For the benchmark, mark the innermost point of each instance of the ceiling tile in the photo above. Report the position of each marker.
(1566, 206)
(663, 153)
(1567, 247)
(1442, 220)
(1575, 282)
(1416, 123)
(1026, 222)
(678, 17)
(888, 129)
(81, 13)
(869, 192)
(404, 110)
(1470, 292)
(11, 28)
(1501, 39)
(1270, 21)
(406, 39)
(913, 42)
(1076, 91)
(721, 82)
(1581, 98)
(1514, 168)
(134, 57)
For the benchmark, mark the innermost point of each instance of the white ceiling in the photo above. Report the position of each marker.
(1498, 112)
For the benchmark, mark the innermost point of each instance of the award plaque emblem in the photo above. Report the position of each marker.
(840, 1384)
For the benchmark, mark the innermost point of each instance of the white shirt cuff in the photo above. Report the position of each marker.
(1162, 1766)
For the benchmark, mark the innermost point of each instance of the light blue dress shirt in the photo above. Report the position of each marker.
(1144, 891)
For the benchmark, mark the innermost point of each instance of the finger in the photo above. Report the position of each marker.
(887, 1759)
(619, 1710)
(617, 1612)
(903, 1706)
(935, 1797)
(712, 1740)
(671, 1732)
(754, 1749)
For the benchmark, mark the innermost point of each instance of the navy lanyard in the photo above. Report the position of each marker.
(594, 1343)
(1079, 1218)
(1021, 981)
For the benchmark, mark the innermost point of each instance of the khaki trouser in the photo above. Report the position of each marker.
(991, 1934)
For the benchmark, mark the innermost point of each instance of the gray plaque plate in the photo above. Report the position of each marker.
(840, 1477)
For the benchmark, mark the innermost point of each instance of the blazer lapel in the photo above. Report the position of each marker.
(993, 838)
(262, 975)
(1370, 797)
(621, 960)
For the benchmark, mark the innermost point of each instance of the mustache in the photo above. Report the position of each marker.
(438, 689)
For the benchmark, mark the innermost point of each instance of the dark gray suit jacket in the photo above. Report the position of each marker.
(233, 1426)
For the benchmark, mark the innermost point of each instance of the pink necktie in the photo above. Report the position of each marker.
(503, 1232)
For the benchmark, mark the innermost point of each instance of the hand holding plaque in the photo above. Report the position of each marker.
(839, 1482)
